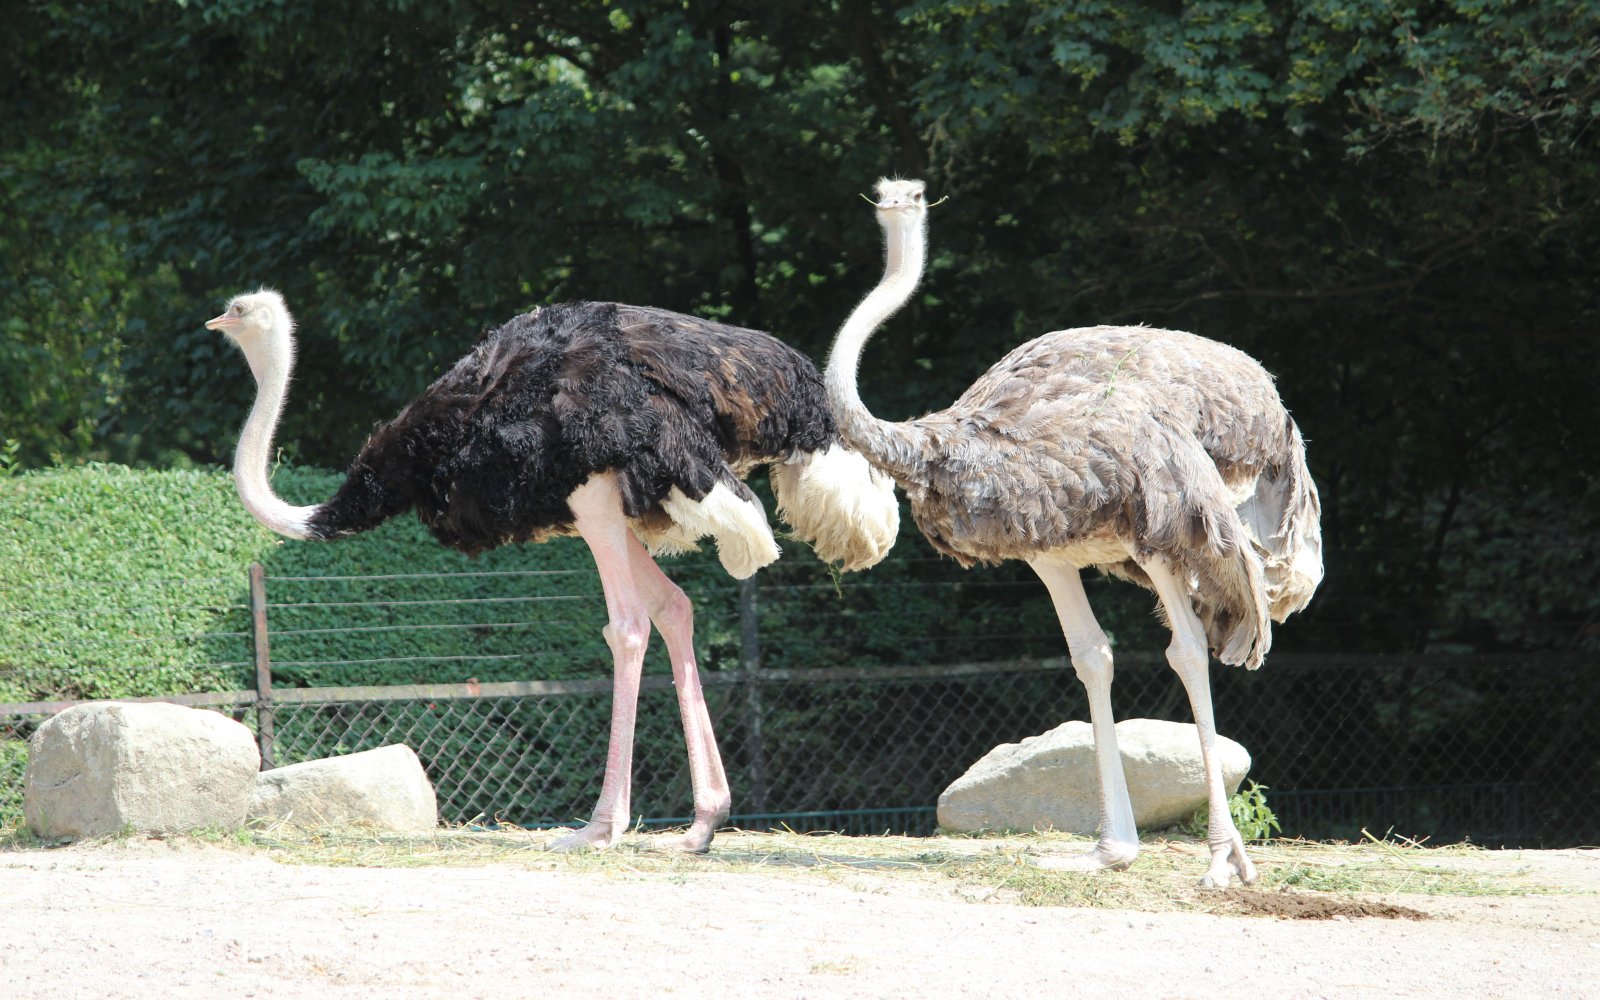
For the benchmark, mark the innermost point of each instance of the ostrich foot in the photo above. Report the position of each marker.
(1103, 857)
(1229, 861)
(691, 841)
(696, 839)
(596, 835)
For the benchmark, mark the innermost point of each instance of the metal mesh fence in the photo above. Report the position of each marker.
(1494, 749)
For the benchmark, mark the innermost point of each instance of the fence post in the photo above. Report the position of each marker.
(754, 714)
(258, 636)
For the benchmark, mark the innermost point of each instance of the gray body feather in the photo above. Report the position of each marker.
(1109, 443)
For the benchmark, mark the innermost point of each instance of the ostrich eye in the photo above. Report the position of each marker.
(237, 310)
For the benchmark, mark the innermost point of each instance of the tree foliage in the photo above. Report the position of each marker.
(1394, 206)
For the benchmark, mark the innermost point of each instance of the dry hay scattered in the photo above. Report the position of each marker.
(1299, 880)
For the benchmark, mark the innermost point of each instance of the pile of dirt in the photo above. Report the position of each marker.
(1306, 906)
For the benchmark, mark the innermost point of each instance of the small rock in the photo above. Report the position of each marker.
(383, 789)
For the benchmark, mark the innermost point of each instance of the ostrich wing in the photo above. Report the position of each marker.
(764, 399)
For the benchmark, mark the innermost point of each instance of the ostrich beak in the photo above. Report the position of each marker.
(900, 204)
(902, 198)
(222, 322)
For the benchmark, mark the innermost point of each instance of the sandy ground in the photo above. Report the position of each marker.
(146, 920)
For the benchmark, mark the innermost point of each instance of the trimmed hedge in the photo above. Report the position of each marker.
(117, 582)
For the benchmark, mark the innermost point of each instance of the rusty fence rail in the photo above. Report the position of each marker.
(1497, 749)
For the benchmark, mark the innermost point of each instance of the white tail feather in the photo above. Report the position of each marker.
(1283, 519)
(738, 526)
(843, 507)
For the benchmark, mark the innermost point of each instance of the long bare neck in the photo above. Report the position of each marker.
(271, 364)
(894, 447)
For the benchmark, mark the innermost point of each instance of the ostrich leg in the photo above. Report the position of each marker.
(636, 593)
(673, 615)
(1091, 658)
(597, 514)
(1189, 657)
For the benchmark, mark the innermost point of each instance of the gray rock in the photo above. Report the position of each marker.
(383, 789)
(147, 767)
(1049, 782)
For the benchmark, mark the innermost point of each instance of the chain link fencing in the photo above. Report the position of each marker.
(851, 705)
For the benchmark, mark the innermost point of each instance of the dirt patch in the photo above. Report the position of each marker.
(1306, 906)
(777, 918)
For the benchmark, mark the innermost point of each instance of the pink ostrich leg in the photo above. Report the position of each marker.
(637, 593)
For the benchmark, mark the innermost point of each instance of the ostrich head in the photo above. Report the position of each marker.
(901, 196)
(903, 216)
(262, 327)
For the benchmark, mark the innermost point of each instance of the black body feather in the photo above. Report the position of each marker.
(490, 452)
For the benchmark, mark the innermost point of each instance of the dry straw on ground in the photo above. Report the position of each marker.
(1299, 879)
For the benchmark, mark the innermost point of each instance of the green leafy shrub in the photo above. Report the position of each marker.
(1251, 814)
(120, 583)
(13, 762)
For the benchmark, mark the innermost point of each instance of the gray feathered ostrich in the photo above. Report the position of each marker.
(1160, 457)
(631, 427)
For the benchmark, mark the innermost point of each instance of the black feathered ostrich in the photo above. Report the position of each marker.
(628, 426)
(1158, 456)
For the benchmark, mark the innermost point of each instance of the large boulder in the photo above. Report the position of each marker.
(149, 767)
(383, 789)
(1049, 782)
